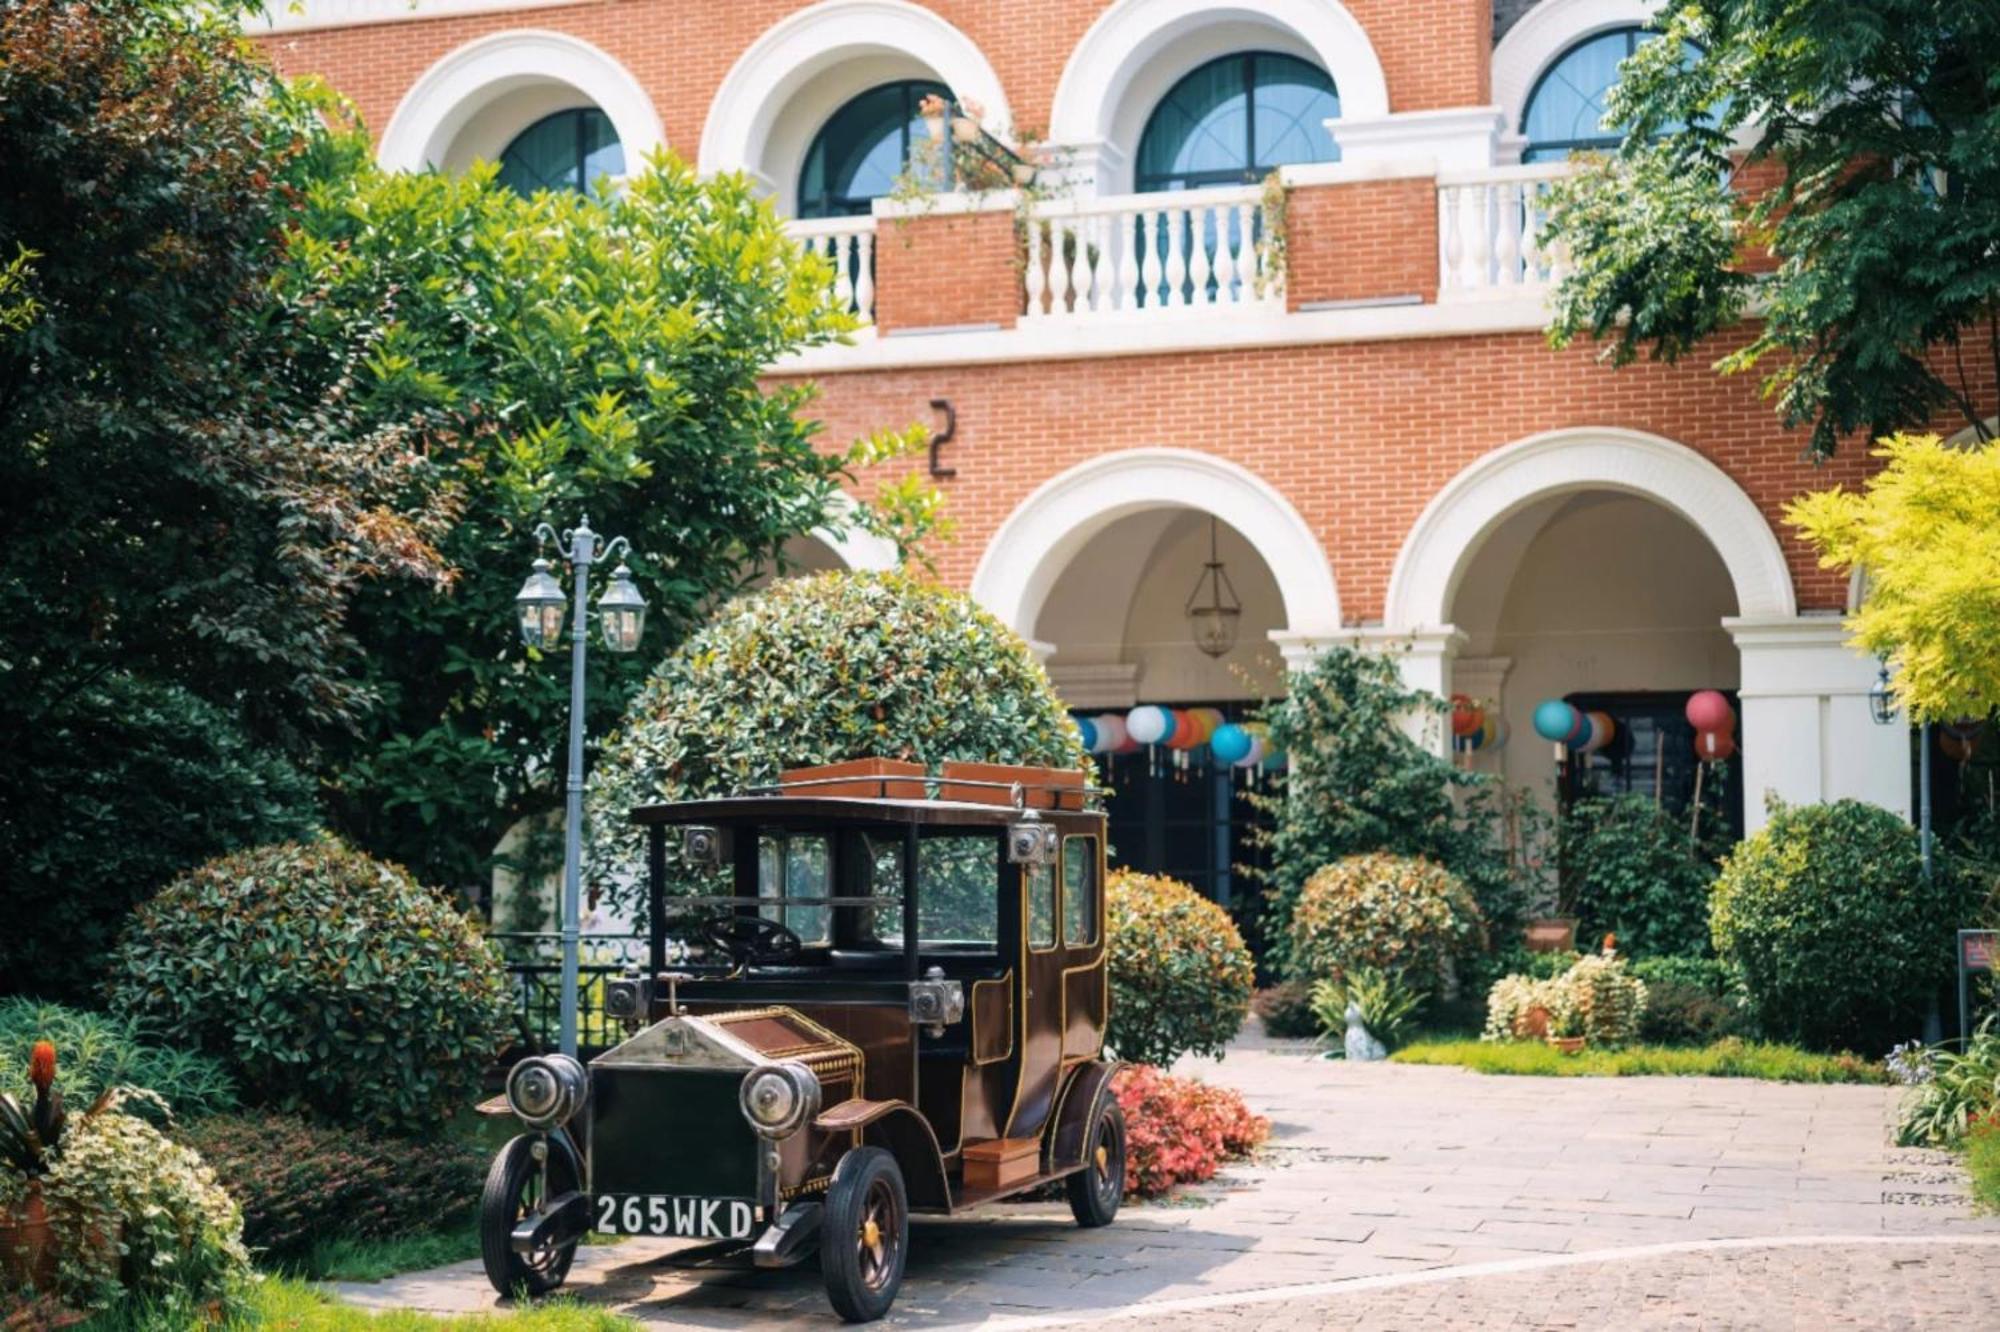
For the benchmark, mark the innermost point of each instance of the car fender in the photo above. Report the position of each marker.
(1077, 1104)
(897, 1128)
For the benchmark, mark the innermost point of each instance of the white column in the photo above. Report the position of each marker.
(1806, 731)
(1423, 658)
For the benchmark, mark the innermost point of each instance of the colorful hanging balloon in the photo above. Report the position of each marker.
(1086, 733)
(1957, 747)
(1708, 710)
(1602, 731)
(1465, 715)
(1260, 744)
(1556, 720)
(1496, 732)
(1713, 746)
(1110, 732)
(1149, 724)
(1229, 743)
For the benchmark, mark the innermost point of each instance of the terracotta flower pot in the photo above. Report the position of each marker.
(1534, 1024)
(27, 1243)
(1569, 1045)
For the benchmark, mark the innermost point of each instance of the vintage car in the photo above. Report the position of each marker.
(892, 1000)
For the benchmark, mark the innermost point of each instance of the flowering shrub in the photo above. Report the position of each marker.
(1527, 1008)
(1402, 914)
(334, 984)
(1180, 973)
(1597, 998)
(1962, 1086)
(137, 1216)
(298, 1182)
(1181, 1130)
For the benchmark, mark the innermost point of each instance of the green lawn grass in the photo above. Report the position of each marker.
(1982, 1162)
(342, 1259)
(1724, 1059)
(283, 1305)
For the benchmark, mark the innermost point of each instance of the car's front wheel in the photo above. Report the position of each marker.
(516, 1189)
(864, 1234)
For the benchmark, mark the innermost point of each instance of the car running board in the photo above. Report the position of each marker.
(791, 1237)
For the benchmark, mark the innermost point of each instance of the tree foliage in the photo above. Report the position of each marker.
(571, 356)
(1922, 532)
(1874, 160)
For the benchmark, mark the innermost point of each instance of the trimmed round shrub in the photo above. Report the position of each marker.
(1681, 1014)
(1629, 867)
(333, 984)
(1401, 914)
(138, 1218)
(818, 670)
(1840, 943)
(299, 1183)
(1180, 974)
(99, 1051)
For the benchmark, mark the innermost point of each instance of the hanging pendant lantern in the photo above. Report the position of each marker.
(1214, 611)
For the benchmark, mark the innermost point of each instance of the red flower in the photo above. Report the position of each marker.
(42, 1065)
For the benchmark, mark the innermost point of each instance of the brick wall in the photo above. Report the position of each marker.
(1361, 241)
(1434, 53)
(934, 270)
(1358, 436)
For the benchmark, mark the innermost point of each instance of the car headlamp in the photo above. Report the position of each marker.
(546, 1091)
(779, 1099)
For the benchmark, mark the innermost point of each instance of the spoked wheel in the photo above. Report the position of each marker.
(516, 1190)
(864, 1235)
(1096, 1190)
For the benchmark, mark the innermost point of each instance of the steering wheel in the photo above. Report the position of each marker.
(750, 939)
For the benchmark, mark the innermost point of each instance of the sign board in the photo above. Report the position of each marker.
(1978, 950)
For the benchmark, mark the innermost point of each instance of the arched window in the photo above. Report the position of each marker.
(1235, 119)
(1566, 108)
(857, 155)
(565, 151)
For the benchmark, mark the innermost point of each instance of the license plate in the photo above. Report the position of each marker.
(664, 1214)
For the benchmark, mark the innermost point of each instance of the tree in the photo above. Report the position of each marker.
(1922, 532)
(1874, 160)
(571, 355)
(183, 522)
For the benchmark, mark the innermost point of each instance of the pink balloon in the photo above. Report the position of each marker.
(1708, 710)
(1710, 746)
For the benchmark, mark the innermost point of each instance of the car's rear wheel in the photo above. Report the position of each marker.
(864, 1235)
(1096, 1190)
(515, 1190)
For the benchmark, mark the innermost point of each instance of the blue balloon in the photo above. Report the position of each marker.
(1230, 743)
(1556, 720)
(1086, 731)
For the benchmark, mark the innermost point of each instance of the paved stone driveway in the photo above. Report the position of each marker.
(1422, 1197)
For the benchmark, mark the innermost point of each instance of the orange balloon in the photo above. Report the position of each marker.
(1713, 746)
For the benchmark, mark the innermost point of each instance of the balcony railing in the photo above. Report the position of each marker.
(1149, 256)
(1489, 227)
(849, 242)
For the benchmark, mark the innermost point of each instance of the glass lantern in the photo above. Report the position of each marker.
(540, 604)
(622, 612)
(1881, 700)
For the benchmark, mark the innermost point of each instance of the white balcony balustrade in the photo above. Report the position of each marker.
(849, 244)
(1147, 256)
(1489, 233)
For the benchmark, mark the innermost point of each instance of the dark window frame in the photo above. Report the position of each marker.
(580, 118)
(828, 204)
(1153, 182)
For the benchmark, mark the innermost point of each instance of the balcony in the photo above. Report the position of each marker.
(1357, 253)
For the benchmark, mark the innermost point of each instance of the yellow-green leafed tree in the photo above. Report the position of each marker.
(1926, 531)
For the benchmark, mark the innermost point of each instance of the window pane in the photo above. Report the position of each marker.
(1080, 891)
(1293, 100)
(958, 898)
(1566, 110)
(1234, 120)
(797, 867)
(565, 151)
(857, 155)
(1041, 906)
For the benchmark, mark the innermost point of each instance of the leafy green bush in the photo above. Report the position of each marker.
(1287, 1010)
(1839, 942)
(818, 670)
(98, 1052)
(1982, 1162)
(333, 984)
(1961, 1086)
(111, 794)
(1681, 1014)
(1387, 1006)
(299, 1183)
(1478, 972)
(1180, 974)
(1358, 783)
(1628, 867)
(137, 1217)
(1710, 974)
(1608, 1000)
(1399, 913)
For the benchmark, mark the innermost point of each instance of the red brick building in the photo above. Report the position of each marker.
(1370, 429)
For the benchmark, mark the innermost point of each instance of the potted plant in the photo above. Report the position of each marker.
(1566, 1029)
(29, 1142)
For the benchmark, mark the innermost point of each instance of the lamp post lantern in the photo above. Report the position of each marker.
(622, 612)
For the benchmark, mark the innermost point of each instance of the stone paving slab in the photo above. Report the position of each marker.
(1378, 1172)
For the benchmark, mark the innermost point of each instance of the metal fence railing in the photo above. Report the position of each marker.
(534, 970)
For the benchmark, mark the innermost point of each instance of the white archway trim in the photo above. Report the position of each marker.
(1091, 113)
(1544, 33)
(1451, 528)
(795, 51)
(1049, 528)
(442, 103)
(856, 548)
